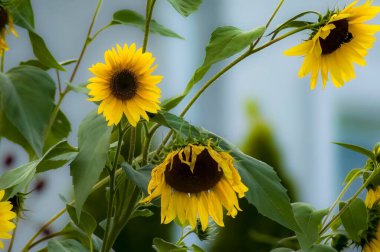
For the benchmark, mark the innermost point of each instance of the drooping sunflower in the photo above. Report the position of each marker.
(334, 47)
(6, 26)
(6, 215)
(196, 181)
(370, 241)
(125, 85)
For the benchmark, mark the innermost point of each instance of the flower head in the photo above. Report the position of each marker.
(6, 215)
(125, 85)
(196, 181)
(370, 241)
(337, 44)
(6, 26)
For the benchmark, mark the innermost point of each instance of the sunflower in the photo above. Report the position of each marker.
(370, 241)
(335, 46)
(196, 181)
(5, 216)
(373, 196)
(125, 85)
(6, 26)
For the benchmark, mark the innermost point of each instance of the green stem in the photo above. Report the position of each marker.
(183, 236)
(337, 216)
(55, 217)
(148, 14)
(132, 145)
(249, 52)
(269, 22)
(2, 60)
(48, 237)
(13, 236)
(341, 194)
(67, 89)
(112, 176)
(59, 82)
(99, 31)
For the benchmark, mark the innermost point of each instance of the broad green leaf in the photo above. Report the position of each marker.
(321, 248)
(161, 245)
(196, 248)
(42, 53)
(265, 190)
(27, 97)
(22, 13)
(185, 7)
(69, 245)
(310, 221)
(142, 213)
(60, 130)
(35, 63)
(358, 149)
(354, 219)
(353, 174)
(57, 156)
(93, 143)
(224, 42)
(19, 175)
(87, 223)
(129, 17)
(140, 177)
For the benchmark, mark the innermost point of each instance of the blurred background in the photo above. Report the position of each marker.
(260, 105)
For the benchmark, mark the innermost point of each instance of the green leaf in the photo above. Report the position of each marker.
(87, 223)
(22, 13)
(27, 97)
(161, 245)
(265, 190)
(142, 213)
(129, 17)
(93, 143)
(353, 174)
(60, 130)
(354, 219)
(358, 149)
(321, 248)
(185, 7)
(282, 250)
(225, 41)
(196, 248)
(42, 53)
(57, 156)
(140, 176)
(69, 245)
(20, 175)
(81, 88)
(310, 221)
(35, 63)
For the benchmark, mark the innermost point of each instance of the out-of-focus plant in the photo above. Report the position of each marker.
(197, 175)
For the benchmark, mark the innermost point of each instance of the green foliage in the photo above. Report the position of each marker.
(60, 130)
(129, 17)
(358, 149)
(27, 97)
(321, 248)
(282, 250)
(185, 7)
(93, 143)
(140, 176)
(225, 42)
(355, 219)
(309, 220)
(161, 245)
(86, 223)
(68, 245)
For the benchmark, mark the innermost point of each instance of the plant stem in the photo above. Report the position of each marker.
(367, 182)
(67, 89)
(99, 31)
(132, 145)
(47, 238)
(339, 197)
(149, 12)
(13, 236)
(27, 246)
(112, 176)
(183, 236)
(2, 60)
(269, 22)
(58, 81)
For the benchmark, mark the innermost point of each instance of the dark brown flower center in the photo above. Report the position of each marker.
(4, 18)
(123, 85)
(204, 177)
(338, 36)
